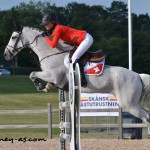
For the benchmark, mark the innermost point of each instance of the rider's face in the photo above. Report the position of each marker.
(48, 26)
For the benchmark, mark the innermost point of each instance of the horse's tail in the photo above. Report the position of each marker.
(146, 81)
(145, 78)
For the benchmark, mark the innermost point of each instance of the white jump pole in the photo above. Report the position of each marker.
(130, 34)
(130, 60)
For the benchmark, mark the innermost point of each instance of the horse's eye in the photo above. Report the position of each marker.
(13, 50)
(14, 37)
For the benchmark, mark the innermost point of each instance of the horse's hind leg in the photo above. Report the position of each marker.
(139, 112)
(131, 104)
(129, 97)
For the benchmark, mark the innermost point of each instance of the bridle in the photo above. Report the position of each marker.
(23, 45)
(27, 45)
(14, 47)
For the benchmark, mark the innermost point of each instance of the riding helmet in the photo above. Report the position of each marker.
(48, 18)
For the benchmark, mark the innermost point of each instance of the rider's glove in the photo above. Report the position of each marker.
(44, 34)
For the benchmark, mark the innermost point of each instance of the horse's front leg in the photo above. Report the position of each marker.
(41, 86)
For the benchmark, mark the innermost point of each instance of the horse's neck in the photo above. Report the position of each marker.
(39, 46)
(42, 49)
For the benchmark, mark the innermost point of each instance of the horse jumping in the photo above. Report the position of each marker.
(127, 86)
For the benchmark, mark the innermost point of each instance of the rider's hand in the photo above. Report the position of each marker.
(44, 34)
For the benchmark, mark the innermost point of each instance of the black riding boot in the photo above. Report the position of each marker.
(83, 79)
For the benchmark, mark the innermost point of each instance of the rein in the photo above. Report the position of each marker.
(34, 39)
(53, 55)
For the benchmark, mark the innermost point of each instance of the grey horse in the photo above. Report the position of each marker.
(127, 86)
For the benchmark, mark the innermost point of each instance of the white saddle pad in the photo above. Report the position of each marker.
(92, 68)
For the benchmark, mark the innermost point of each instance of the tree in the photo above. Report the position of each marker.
(108, 26)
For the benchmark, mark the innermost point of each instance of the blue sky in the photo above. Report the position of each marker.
(138, 6)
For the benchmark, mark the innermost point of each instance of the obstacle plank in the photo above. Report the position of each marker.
(77, 104)
(62, 119)
(74, 97)
(72, 107)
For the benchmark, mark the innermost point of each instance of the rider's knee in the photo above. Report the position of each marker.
(66, 62)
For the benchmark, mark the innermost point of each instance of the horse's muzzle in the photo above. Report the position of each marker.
(8, 54)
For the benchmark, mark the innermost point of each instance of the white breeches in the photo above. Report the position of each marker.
(82, 48)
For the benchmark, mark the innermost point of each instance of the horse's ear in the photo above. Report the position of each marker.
(17, 27)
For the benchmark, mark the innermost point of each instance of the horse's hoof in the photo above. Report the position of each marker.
(40, 87)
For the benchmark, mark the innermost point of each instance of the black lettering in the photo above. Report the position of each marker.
(7, 140)
(81, 104)
(100, 98)
(89, 98)
(96, 99)
(96, 104)
(109, 103)
(107, 98)
(92, 98)
(12, 140)
(116, 104)
(22, 139)
(41, 139)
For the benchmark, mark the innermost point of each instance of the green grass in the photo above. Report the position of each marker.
(18, 93)
(16, 84)
(27, 119)
(28, 101)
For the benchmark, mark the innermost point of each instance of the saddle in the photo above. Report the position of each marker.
(97, 56)
(87, 56)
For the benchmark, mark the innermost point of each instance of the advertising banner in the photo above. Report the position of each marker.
(98, 101)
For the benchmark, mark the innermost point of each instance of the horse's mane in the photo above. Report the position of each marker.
(33, 28)
(40, 31)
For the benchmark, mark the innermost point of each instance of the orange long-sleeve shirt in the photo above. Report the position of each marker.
(67, 34)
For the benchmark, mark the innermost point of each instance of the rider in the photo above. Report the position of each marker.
(78, 38)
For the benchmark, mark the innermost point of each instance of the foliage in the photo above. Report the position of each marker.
(108, 26)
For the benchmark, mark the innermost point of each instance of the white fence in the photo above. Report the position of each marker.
(49, 126)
